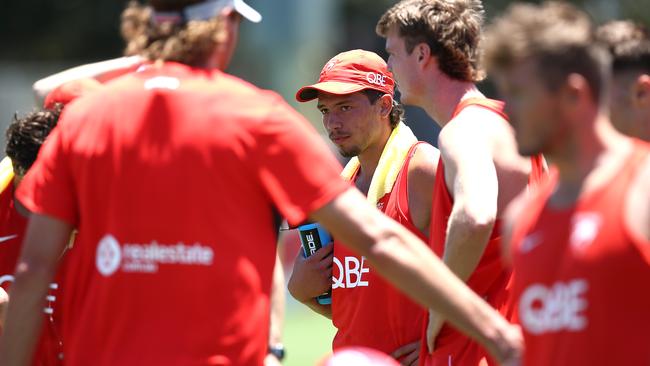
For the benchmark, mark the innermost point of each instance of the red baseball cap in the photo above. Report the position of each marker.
(70, 91)
(350, 72)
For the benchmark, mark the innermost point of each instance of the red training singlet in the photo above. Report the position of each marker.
(366, 309)
(583, 278)
(490, 280)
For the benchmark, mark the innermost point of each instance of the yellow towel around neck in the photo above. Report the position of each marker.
(6, 173)
(390, 163)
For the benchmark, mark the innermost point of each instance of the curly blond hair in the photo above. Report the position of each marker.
(451, 29)
(191, 43)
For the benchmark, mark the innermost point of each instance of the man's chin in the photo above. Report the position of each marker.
(348, 153)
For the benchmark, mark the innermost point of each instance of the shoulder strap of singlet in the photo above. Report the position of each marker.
(538, 172)
(402, 178)
(495, 106)
(537, 162)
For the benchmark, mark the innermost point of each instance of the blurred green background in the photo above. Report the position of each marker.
(284, 52)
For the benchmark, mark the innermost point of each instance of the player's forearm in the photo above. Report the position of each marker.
(324, 310)
(277, 304)
(24, 314)
(95, 70)
(466, 241)
(402, 258)
(416, 271)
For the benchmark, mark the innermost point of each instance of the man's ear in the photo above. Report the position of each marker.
(641, 91)
(573, 95)
(386, 104)
(423, 53)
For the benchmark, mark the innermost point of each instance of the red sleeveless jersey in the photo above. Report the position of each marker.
(490, 280)
(583, 278)
(367, 310)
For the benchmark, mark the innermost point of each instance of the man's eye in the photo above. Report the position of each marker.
(345, 108)
(323, 111)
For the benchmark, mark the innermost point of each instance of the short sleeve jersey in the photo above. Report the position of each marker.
(172, 175)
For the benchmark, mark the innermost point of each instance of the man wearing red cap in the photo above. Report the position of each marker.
(171, 176)
(396, 173)
(433, 48)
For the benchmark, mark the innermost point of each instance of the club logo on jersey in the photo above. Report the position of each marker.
(559, 307)
(147, 258)
(586, 227)
(162, 82)
(376, 78)
(329, 66)
(531, 242)
(350, 273)
(109, 255)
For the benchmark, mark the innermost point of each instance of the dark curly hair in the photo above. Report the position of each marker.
(396, 114)
(25, 136)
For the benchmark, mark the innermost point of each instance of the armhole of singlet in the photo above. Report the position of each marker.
(642, 244)
(403, 194)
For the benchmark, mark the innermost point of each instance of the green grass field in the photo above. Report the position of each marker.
(307, 335)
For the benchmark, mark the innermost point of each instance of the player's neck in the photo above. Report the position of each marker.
(588, 158)
(443, 96)
(369, 158)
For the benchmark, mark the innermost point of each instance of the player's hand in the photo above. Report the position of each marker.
(408, 355)
(271, 360)
(311, 276)
(4, 303)
(509, 346)
(433, 328)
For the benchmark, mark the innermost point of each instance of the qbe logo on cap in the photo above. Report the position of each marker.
(376, 78)
(109, 255)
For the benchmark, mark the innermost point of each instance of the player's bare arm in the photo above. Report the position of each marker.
(471, 177)
(4, 302)
(421, 178)
(94, 70)
(45, 239)
(277, 310)
(407, 262)
(637, 210)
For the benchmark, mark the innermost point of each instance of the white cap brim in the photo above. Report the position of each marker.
(210, 8)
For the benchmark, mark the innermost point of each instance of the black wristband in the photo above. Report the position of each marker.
(277, 350)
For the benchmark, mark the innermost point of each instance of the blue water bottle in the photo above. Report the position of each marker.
(312, 238)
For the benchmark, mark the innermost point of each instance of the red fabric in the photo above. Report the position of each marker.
(170, 175)
(350, 72)
(371, 312)
(12, 232)
(582, 278)
(491, 280)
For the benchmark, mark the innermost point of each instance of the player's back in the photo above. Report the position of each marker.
(176, 238)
